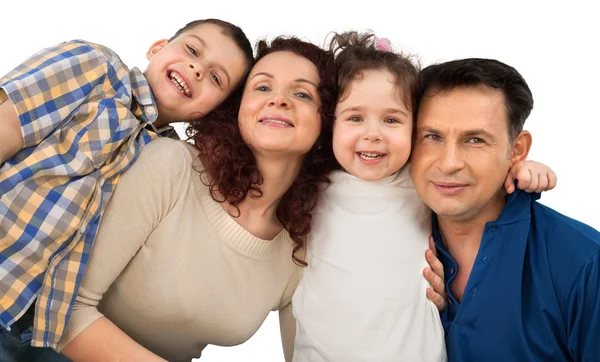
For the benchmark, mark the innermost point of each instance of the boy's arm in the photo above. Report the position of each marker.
(11, 140)
(47, 89)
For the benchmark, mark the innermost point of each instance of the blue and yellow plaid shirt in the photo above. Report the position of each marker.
(83, 117)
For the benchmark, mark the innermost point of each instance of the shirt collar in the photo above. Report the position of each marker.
(142, 94)
(517, 207)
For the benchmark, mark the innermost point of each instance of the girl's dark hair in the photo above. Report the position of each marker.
(232, 31)
(356, 53)
(231, 163)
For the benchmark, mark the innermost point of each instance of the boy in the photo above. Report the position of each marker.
(76, 118)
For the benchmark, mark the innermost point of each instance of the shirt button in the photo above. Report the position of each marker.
(450, 301)
(102, 182)
(485, 258)
(452, 270)
(83, 228)
(494, 228)
(474, 291)
(150, 110)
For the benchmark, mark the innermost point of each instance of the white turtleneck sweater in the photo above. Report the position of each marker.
(362, 297)
(174, 271)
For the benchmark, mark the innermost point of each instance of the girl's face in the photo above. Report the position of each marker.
(373, 128)
(279, 114)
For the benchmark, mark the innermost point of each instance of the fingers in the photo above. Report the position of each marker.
(542, 183)
(432, 246)
(552, 180)
(509, 183)
(437, 299)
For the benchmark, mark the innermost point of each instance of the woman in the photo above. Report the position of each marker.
(193, 248)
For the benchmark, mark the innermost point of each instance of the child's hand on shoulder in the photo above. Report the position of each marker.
(532, 177)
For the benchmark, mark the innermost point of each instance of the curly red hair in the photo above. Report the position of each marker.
(232, 165)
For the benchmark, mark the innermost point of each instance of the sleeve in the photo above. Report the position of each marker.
(144, 196)
(287, 325)
(583, 314)
(287, 321)
(50, 85)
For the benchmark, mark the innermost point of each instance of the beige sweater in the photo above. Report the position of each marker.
(174, 271)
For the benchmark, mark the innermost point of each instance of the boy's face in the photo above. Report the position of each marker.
(373, 128)
(194, 73)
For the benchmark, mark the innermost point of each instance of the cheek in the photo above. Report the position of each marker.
(400, 142)
(344, 140)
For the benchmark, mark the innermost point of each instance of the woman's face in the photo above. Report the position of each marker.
(279, 112)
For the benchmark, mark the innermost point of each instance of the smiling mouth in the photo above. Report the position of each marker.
(178, 81)
(370, 156)
(276, 122)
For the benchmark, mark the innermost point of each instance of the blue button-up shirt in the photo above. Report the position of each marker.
(534, 290)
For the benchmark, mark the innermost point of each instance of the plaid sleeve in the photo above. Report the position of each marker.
(48, 87)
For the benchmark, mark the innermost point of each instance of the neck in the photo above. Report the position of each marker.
(278, 176)
(462, 236)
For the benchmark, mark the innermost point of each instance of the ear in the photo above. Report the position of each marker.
(156, 47)
(521, 147)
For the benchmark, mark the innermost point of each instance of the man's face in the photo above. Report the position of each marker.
(462, 152)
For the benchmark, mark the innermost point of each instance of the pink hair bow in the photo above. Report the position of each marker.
(383, 44)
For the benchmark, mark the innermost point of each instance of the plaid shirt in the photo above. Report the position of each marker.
(84, 117)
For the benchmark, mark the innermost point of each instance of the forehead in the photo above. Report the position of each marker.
(463, 109)
(373, 89)
(220, 47)
(287, 65)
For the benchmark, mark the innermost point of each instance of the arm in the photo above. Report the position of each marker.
(104, 341)
(532, 176)
(143, 197)
(46, 90)
(11, 140)
(287, 325)
(583, 313)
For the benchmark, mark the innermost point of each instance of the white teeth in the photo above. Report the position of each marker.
(370, 155)
(276, 121)
(180, 84)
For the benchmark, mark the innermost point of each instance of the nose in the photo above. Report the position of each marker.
(452, 159)
(279, 100)
(372, 132)
(197, 69)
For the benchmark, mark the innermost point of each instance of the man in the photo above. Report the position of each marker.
(523, 281)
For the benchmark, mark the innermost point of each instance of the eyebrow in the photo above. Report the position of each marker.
(470, 133)
(221, 68)
(387, 110)
(299, 80)
(479, 132)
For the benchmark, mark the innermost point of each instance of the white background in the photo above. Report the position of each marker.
(555, 47)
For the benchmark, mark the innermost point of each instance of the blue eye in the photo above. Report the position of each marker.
(215, 78)
(303, 95)
(192, 51)
(475, 140)
(433, 137)
(263, 88)
(391, 120)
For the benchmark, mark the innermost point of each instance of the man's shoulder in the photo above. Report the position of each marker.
(557, 225)
(568, 244)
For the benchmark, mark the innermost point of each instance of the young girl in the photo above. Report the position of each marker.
(362, 296)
